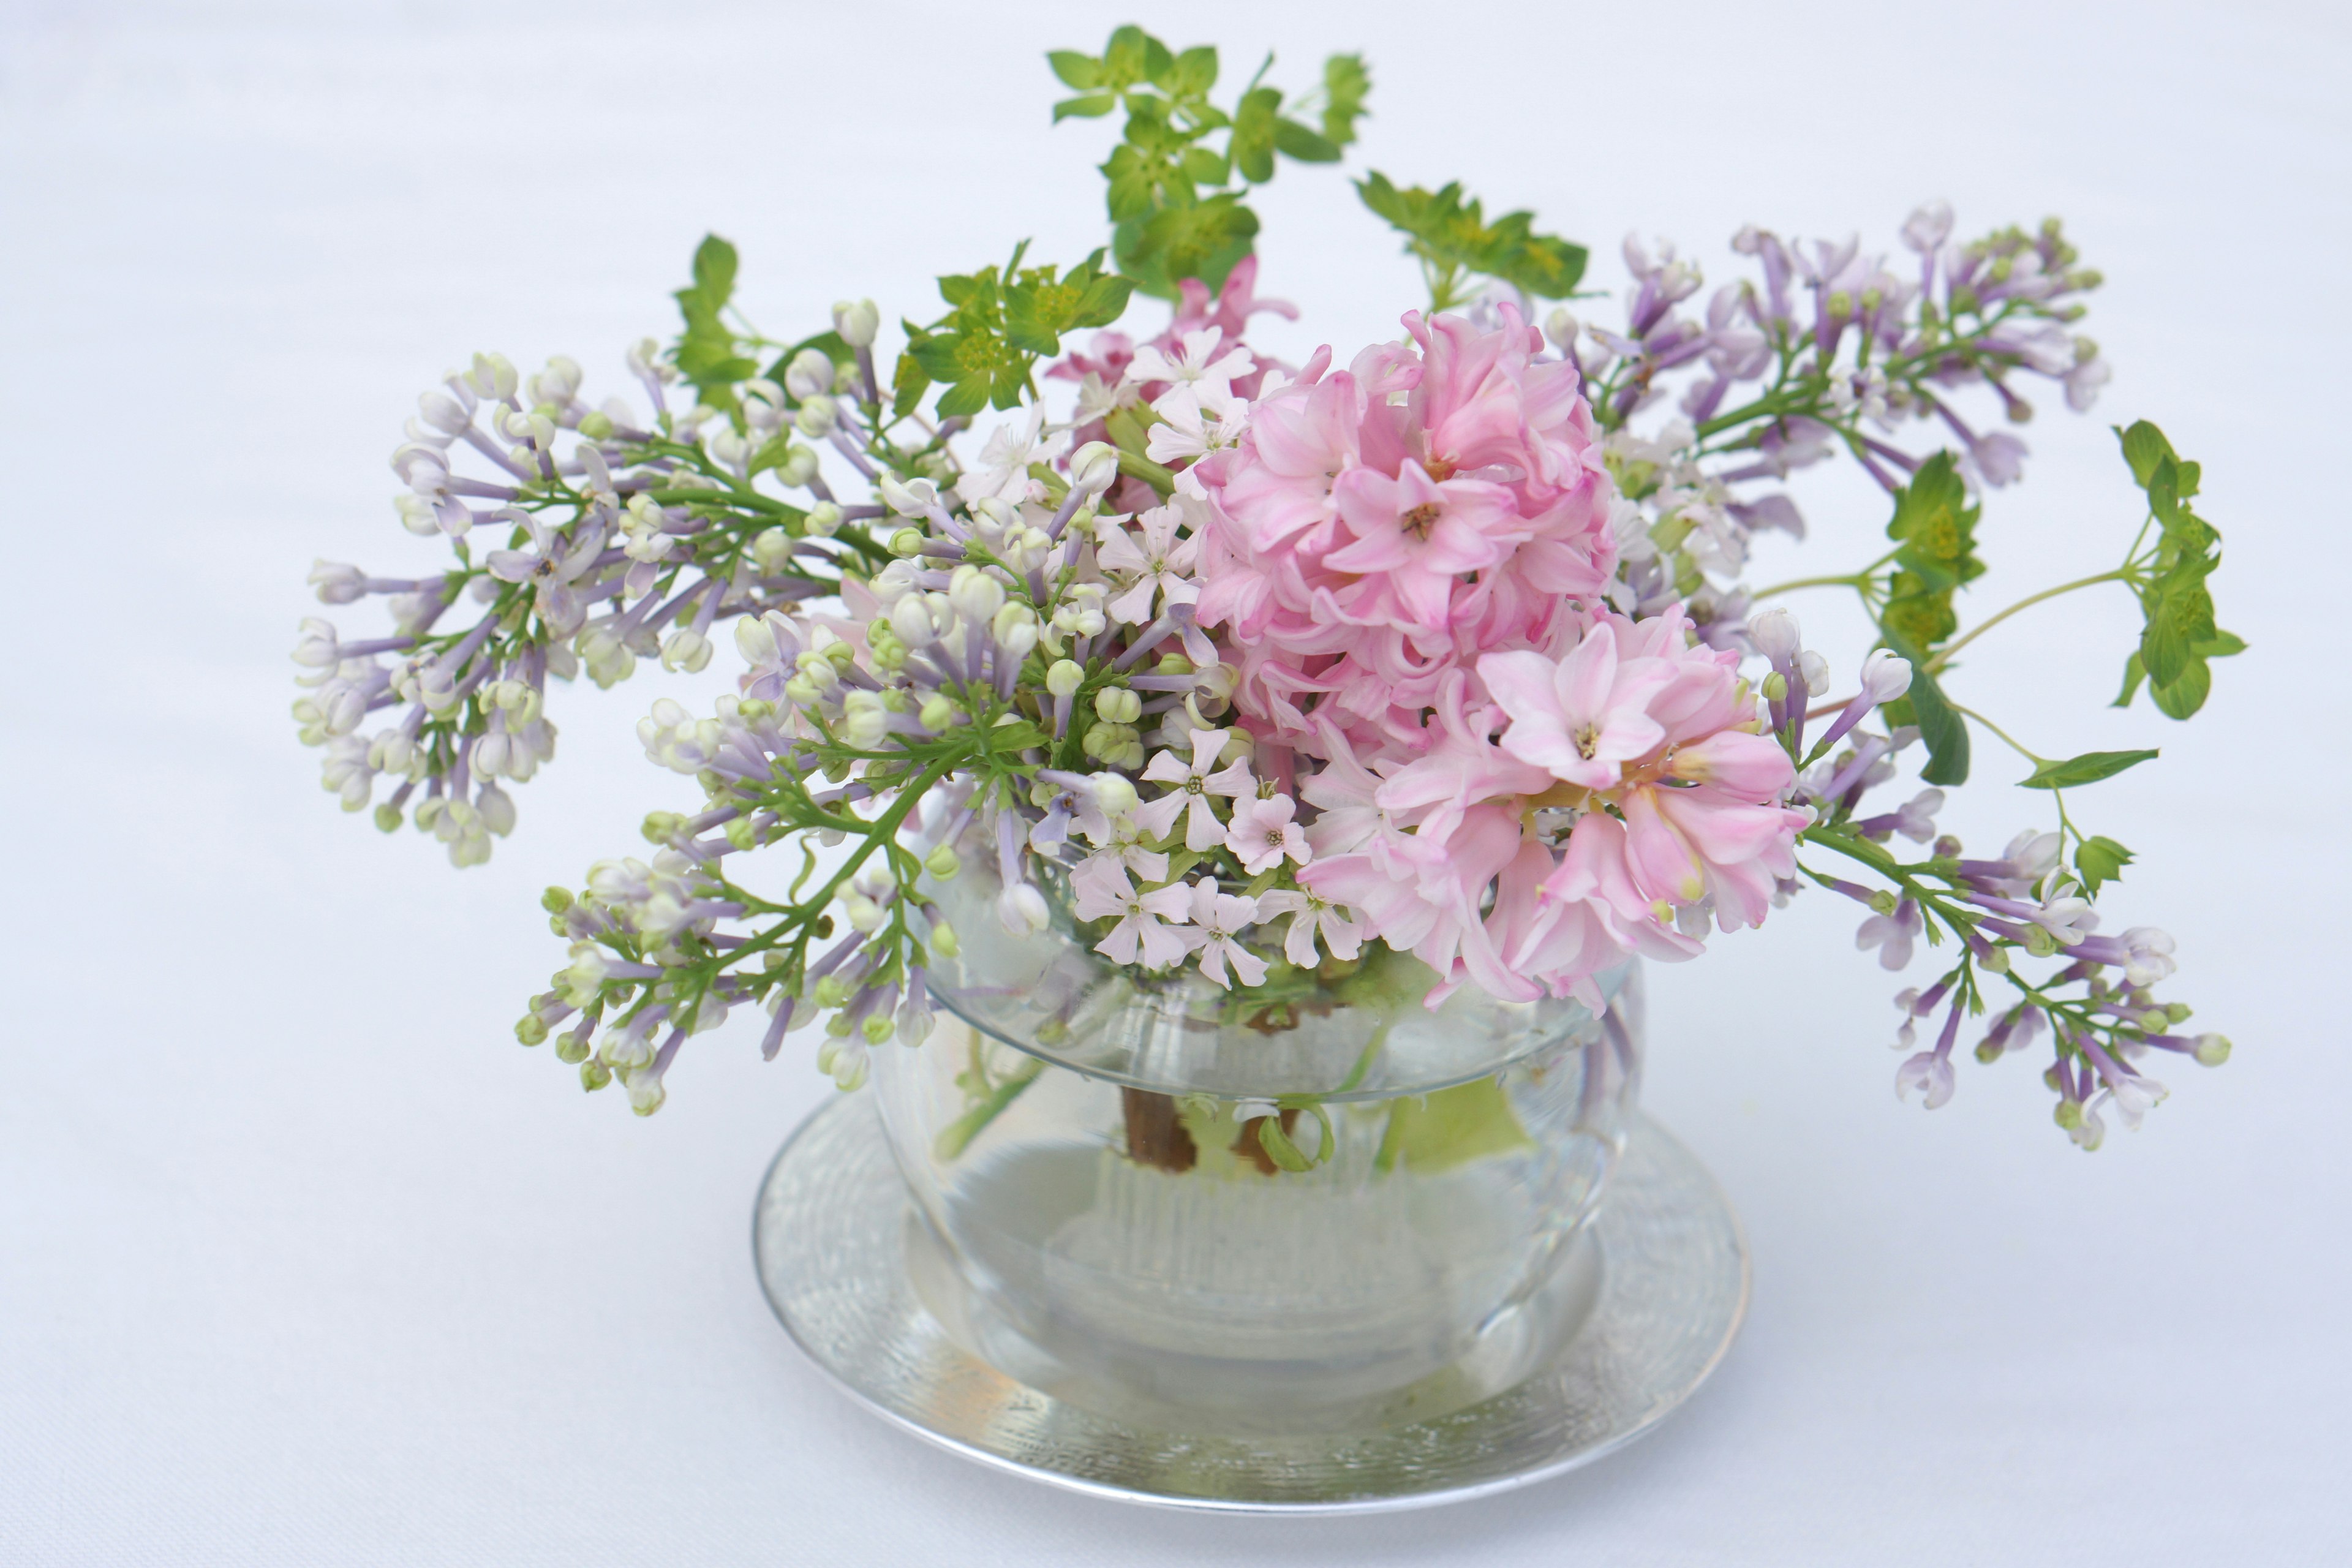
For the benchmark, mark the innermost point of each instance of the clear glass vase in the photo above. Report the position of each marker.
(1315, 1205)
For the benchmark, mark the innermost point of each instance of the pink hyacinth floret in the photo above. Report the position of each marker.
(1649, 735)
(1377, 528)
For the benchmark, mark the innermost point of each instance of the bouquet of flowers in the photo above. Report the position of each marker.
(1437, 650)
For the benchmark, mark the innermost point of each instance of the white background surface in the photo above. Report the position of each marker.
(302, 1260)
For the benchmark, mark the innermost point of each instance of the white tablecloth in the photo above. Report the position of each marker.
(304, 1261)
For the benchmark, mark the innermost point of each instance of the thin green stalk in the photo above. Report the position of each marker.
(1944, 657)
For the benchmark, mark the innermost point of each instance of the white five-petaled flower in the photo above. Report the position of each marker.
(1311, 914)
(1192, 786)
(1262, 833)
(1198, 362)
(1218, 920)
(1104, 890)
(1160, 562)
(1197, 420)
(1002, 471)
(1122, 843)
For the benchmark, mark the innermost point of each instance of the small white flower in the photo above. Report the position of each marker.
(1192, 788)
(1159, 565)
(1195, 422)
(1198, 363)
(1311, 915)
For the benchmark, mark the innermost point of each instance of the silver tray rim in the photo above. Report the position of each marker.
(1645, 1136)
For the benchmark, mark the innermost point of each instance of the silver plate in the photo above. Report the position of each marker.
(828, 1237)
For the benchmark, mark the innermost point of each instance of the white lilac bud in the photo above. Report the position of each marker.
(1063, 679)
(1885, 676)
(822, 521)
(1015, 629)
(864, 720)
(798, 466)
(908, 498)
(2213, 1050)
(911, 623)
(976, 595)
(756, 640)
(1021, 910)
(943, 862)
(336, 582)
(856, 320)
(937, 712)
(317, 647)
(689, 651)
(1562, 328)
(815, 418)
(1775, 634)
(810, 375)
(498, 810)
(1093, 468)
(772, 549)
(1114, 793)
(493, 377)
(417, 514)
(1816, 671)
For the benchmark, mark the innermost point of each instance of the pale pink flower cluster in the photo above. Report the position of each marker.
(1650, 737)
(1460, 749)
(1373, 530)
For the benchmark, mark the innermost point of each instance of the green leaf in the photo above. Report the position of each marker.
(1345, 84)
(1194, 72)
(1017, 736)
(2180, 698)
(1087, 105)
(1278, 1145)
(1202, 241)
(1251, 149)
(965, 397)
(1077, 70)
(1293, 140)
(2222, 645)
(1445, 230)
(2098, 861)
(714, 271)
(2179, 617)
(1935, 526)
(2134, 672)
(1204, 167)
(2144, 447)
(909, 383)
(1126, 57)
(2089, 768)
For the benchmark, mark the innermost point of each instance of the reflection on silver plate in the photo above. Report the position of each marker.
(829, 1235)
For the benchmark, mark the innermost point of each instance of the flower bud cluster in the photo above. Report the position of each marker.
(618, 535)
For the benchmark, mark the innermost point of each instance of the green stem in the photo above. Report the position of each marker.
(1996, 730)
(1937, 664)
